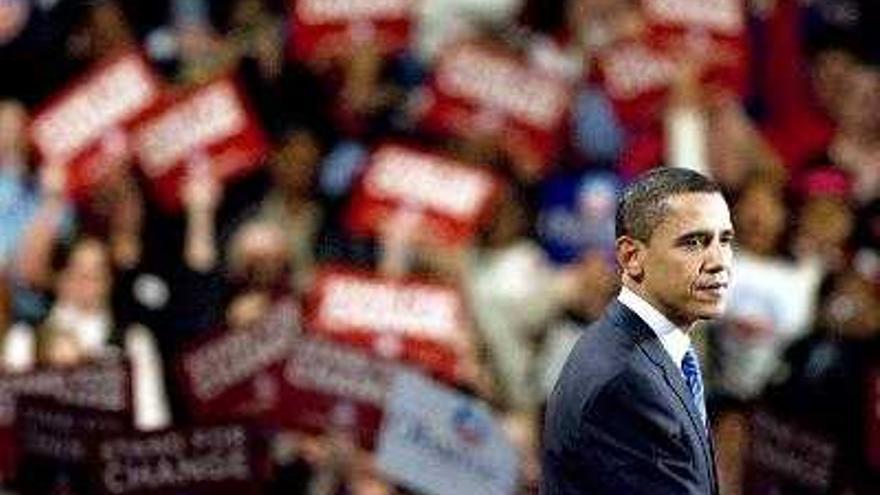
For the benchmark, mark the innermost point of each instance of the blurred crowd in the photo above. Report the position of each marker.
(790, 129)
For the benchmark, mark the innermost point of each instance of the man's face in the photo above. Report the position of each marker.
(686, 263)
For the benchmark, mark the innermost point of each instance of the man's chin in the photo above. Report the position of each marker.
(711, 311)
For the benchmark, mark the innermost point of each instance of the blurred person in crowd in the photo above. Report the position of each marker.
(292, 202)
(801, 95)
(824, 227)
(5, 310)
(33, 36)
(181, 39)
(82, 297)
(515, 290)
(80, 328)
(18, 199)
(856, 144)
(259, 268)
(829, 369)
(234, 286)
(576, 214)
(58, 348)
(287, 93)
(569, 33)
(771, 297)
(866, 259)
(736, 150)
(599, 284)
(628, 413)
(102, 31)
(47, 215)
(327, 464)
(819, 93)
(440, 23)
(371, 92)
(74, 279)
(523, 431)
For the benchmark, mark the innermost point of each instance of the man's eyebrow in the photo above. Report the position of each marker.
(695, 233)
(705, 233)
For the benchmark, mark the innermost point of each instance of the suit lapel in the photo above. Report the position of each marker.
(650, 345)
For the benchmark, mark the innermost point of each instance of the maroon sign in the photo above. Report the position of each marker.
(234, 374)
(211, 125)
(327, 385)
(785, 457)
(55, 441)
(105, 387)
(451, 199)
(324, 28)
(50, 429)
(226, 459)
(85, 127)
(872, 429)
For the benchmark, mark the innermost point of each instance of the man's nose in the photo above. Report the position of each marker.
(718, 257)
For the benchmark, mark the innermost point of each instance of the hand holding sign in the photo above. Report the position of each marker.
(201, 189)
(211, 124)
(53, 180)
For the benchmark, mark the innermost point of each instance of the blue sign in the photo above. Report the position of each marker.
(441, 442)
(577, 214)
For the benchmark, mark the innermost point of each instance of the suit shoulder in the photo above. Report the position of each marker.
(603, 352)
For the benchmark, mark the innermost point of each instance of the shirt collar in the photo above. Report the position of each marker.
(674, 340)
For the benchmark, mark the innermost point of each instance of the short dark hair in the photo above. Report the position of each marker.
(642, 205)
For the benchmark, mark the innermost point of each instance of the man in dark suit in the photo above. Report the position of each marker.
(627, 415)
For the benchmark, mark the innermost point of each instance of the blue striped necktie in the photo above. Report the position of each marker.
(690, 368)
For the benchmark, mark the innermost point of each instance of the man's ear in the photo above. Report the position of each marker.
(631, 257)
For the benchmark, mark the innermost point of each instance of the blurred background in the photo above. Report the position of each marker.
(262, 213)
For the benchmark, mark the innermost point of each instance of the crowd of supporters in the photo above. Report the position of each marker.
(782, 109)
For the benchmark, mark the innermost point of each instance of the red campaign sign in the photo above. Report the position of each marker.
(327, 385)
(218, 459)
(410, 321)
(450, 198)
(212, 124)
(637, 73)
(716, 26)
(636, 77)
(85, 126)
(479, 88)
(718, 17)
(872, 429)
(234, 374)
(322, 28)
(105, 386)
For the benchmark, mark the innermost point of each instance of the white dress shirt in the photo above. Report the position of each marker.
(674, 340)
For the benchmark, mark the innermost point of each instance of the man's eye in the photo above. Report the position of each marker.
(693, 242)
